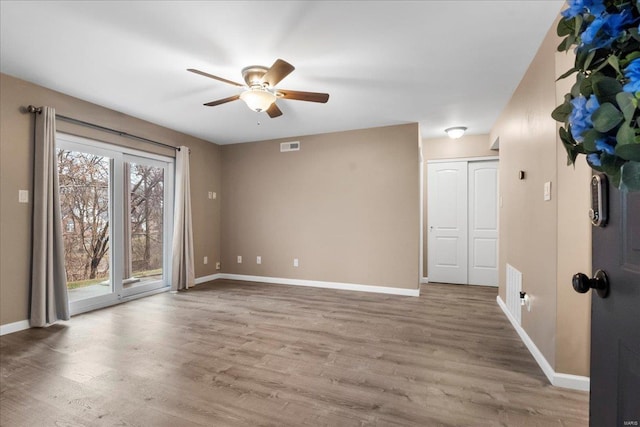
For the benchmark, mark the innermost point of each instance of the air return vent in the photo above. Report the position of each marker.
(289, 146)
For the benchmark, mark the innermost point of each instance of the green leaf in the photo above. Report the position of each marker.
(606, 88)
(629, 151)
(565, 27)
(615, 178)
(606, 117)
(586, 87)
(611, 164)
(561, 113)
(625, 135)
(614, 62)
(589, 59)
(628, 104)
(567, 74)
(569, 145)
(630, 176)
(590, 138)
(566, 43)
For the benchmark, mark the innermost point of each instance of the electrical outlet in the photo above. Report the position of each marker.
(295, 262)
(258, 259)
(217, 266)
(210, 194)
(23, 196)
(239, 259)
(206, 260)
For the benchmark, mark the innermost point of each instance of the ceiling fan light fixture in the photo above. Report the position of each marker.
(258, 99)
(455, 132)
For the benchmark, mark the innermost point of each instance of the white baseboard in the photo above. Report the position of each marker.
(574, 382)
(24, 324)
(209, 278)
(10, 328)
(320, 284)
(424, 280)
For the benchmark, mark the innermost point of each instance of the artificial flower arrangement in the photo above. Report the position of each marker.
(600, 115)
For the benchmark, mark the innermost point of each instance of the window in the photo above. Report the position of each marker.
(116, 206)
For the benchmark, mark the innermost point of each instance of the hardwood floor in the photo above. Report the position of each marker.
(241, 354)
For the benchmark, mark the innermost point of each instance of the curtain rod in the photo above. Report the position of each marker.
(34, 109)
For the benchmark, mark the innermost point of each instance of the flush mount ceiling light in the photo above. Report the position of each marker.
(258, 99)
(455, 132)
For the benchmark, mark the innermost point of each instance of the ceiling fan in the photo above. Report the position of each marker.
(260, 93)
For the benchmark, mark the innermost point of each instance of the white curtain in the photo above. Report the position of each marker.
(49, 299)
(183, 273)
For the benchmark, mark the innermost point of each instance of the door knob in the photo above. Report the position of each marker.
(600, 282)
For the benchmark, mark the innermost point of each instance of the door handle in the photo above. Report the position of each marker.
(600, 282)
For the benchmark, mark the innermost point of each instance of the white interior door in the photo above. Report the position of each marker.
(483, 223)
(447, 220)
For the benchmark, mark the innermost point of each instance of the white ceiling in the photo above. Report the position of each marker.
(439, 63)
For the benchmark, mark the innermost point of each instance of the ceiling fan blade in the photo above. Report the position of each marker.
(211, 76)
(222, 101)
(274, 111)
(278, 71)
(303, 96)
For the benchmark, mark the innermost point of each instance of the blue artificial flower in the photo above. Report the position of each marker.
(594, 159)
(578, 7)
(603, 145)
(580, 117)
(632, 73)
(605, 29)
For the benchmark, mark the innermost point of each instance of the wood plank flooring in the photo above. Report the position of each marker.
(242, 354)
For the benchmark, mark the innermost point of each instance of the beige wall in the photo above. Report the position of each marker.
(447, 148)
(534, 232)
(574, 249)
(346, 205)
(16, 157)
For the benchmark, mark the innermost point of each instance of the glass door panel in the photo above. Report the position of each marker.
(146, 212)
(144, 254)
(84, 181)
(116, 206)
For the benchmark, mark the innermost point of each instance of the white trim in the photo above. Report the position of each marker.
(209, 278)
(320, 284)
(574, 382)
(424, 280)
(465, 159)
(111, 303)
(10, 328)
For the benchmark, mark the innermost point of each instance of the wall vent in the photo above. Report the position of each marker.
(514, 286)
(289, 146)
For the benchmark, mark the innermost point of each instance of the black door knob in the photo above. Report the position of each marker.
(600, 282)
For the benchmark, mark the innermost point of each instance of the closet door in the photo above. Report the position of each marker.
(483, 223)
(447, 221)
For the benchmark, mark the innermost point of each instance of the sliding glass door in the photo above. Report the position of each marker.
(116, 206)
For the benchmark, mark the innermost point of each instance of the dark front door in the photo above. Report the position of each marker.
(615, 319)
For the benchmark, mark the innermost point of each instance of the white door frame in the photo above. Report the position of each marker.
(430, 231)
(118, 155)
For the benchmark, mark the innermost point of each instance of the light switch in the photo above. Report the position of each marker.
(547, 191)
(23, 196)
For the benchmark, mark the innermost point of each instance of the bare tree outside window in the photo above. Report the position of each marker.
(84, 201)
(84, 204)
(146, 185)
